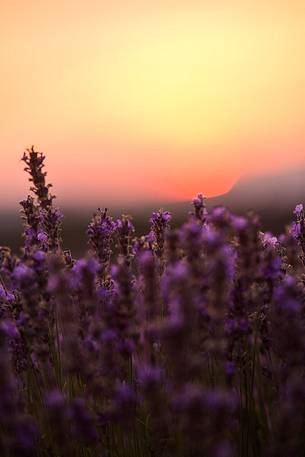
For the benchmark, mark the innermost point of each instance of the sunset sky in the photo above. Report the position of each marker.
(141, 100)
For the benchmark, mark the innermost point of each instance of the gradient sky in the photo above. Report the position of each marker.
(135, 100)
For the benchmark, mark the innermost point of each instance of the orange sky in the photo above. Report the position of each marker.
(136, 100)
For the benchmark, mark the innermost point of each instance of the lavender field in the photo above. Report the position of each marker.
(183, 342)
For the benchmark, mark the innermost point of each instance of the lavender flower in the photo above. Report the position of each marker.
(100, 233)
(125, 230)
(34, 166)
(159, 227)
(200, 211)
(297, 229)
(43, 220)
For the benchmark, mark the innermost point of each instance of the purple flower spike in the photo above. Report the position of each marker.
(160, 221)
(295, 230)
(200, 211)
(298, 210)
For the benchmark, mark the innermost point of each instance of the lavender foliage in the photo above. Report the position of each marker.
(182, 342)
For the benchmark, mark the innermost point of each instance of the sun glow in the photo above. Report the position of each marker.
(169, 100)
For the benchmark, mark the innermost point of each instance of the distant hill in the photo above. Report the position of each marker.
(272, 196)
(277, 191)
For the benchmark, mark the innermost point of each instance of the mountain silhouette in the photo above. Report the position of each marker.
(277, 192)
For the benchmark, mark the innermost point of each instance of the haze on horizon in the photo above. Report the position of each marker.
(140, 100)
